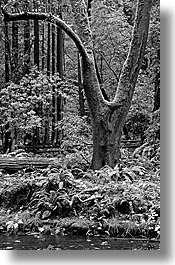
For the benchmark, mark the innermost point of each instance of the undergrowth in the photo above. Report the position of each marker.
(122, 202)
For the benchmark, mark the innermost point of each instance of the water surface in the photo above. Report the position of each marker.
(54, 242)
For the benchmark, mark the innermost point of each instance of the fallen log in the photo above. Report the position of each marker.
(12, 164)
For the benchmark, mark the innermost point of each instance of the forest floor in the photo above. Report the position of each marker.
(121, 202)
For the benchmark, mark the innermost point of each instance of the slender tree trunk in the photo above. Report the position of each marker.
(48, 49)
(157, 92)
(54, 107)
(53, 49)
(60, 63)
(80, 88)
(101, 68)
(48, 121)
(14, 50)
(89, 8)
(36, 62)
(7, 53)
(43, 47)
(26, 47)
(36, 42)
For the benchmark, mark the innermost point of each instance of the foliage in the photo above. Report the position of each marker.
(22, 103)
(111, 38)
(153, 131)
(137, 123)
(124, 201)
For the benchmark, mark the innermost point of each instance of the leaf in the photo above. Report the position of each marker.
(15, 226)
(46, 214)
(9, 223)
(20, 221)
(61, 184)
(58, 230)
(41, 229)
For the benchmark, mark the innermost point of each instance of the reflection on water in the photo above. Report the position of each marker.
(53, 242)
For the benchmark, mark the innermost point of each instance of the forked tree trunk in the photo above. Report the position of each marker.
(108, 118)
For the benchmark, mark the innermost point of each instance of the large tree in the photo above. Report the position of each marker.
(108, 118)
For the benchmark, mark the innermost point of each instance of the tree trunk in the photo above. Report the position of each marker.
(7, 53)
(59, 104)
(60, 52)
(48, 49)
(14, 51)
(43, 47)
(106, 144)
(108, 118)
(53, 49)
(26, 47)
(157, 92)
(36, 43)
(54, 107)
(80, 88)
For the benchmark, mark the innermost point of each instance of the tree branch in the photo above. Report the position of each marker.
(108, 65)
(52, 19)
(133, 63)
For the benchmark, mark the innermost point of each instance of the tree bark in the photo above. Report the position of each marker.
(157, 92)
(80, 88)
(7, 53)
(48, 49)
(59, 104)
(36, 42)
(26, 47)
(53, 49)
(14, 50)
(43, 47)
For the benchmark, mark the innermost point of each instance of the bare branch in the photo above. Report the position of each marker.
(133, 63)
(108, 65)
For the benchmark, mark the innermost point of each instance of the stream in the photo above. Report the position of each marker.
(54, 242)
